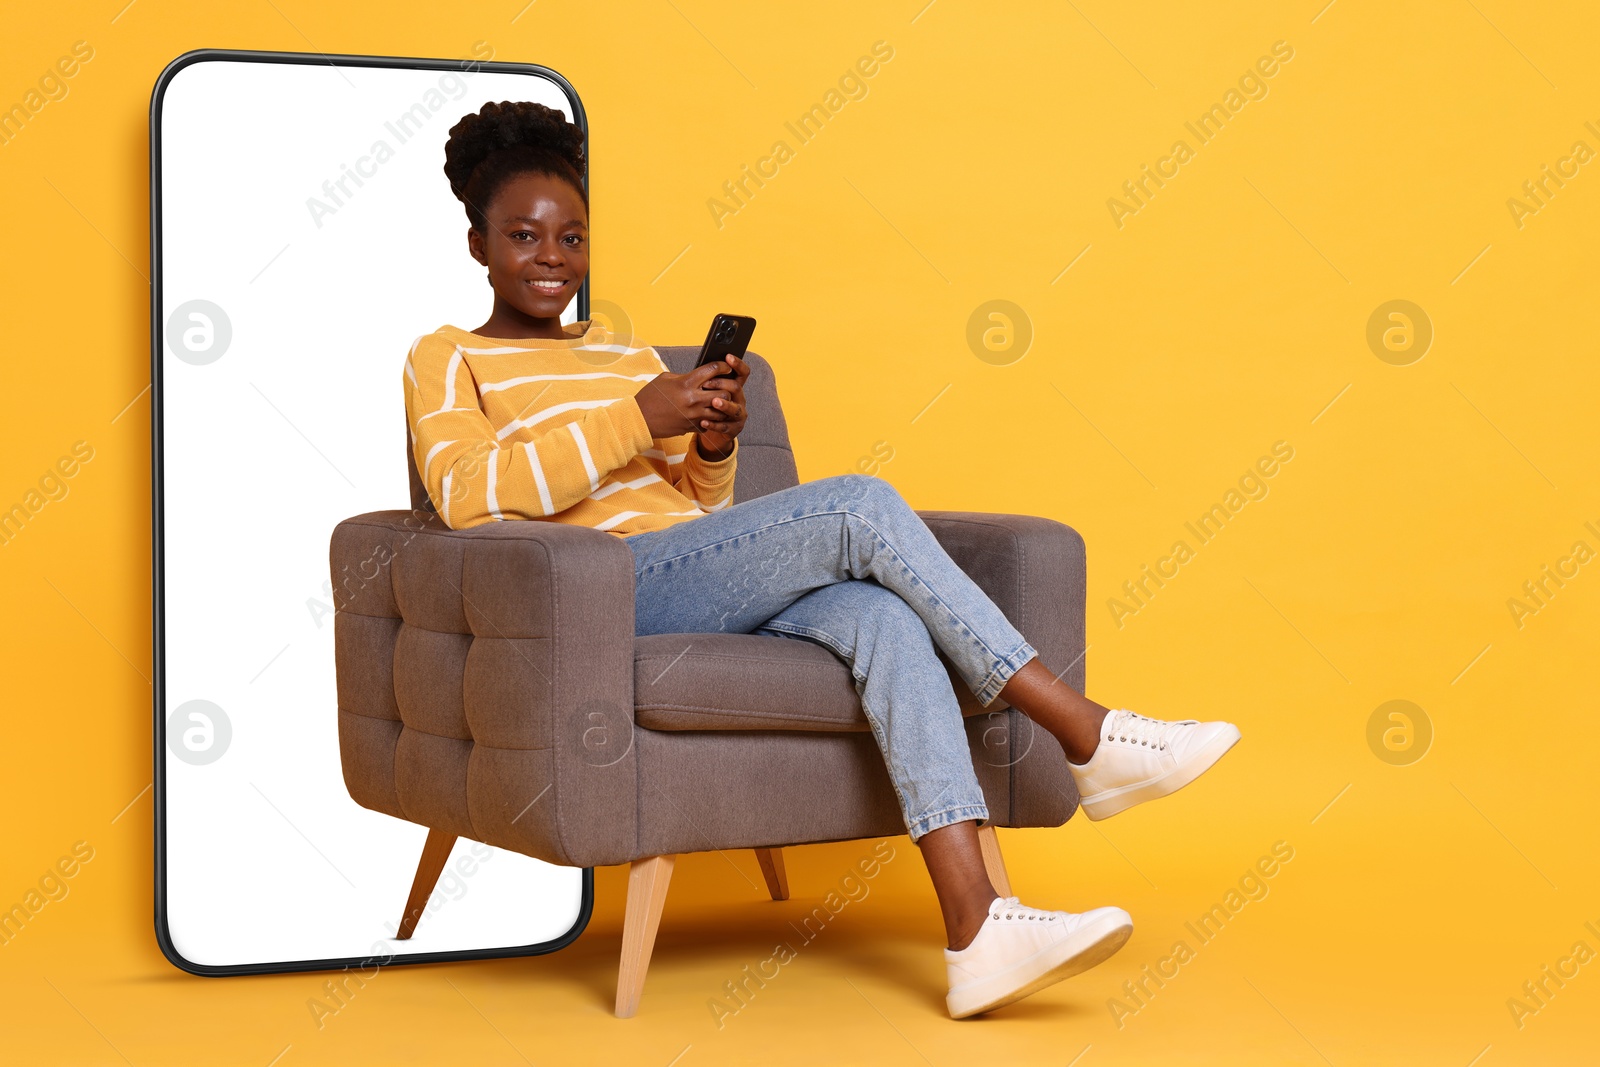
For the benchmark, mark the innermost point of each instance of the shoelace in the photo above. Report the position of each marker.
(1011, 908)
(1124, 725)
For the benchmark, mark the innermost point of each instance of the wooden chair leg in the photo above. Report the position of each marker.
(771, 861)
(989, 842)
(434, 854)
(647, 892)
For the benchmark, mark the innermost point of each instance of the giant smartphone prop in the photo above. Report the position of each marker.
(302, 235)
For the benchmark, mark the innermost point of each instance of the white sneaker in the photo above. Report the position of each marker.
(1020, 950)
(1140, 758)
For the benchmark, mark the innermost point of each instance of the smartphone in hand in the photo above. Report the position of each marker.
(729, 335)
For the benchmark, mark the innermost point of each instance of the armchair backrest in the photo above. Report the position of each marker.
(766, 460)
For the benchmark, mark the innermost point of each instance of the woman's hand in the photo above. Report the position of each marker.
(716, 432)
(675, 404)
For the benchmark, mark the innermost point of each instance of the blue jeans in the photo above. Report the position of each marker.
(845, 562)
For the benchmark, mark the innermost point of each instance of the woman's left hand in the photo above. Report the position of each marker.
(715, 436)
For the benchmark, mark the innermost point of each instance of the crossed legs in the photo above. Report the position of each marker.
(907, 697)
(952, 853)
(845, 561)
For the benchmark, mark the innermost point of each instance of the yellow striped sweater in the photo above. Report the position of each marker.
(547, 428)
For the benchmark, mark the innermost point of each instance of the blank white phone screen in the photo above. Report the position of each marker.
(307, 236)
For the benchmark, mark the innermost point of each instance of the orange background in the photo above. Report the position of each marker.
(1167, 354)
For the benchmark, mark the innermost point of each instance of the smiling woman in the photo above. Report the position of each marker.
(523, 418)
(535, 149)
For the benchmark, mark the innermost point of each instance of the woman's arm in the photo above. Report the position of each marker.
(710, 482)
(473, 478)
(706, 471)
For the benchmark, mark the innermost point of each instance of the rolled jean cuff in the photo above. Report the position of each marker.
(946, 817)
(990, 688)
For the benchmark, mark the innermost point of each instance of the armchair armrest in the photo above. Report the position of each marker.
(1035, 571)
(485, 680)
(1033, 568)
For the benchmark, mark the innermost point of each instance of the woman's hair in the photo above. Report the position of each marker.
(505, 140)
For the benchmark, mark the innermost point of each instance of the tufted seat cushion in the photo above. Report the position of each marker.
(749, 682)
(741, 682)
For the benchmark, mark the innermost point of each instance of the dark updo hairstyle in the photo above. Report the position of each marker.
(505, 140)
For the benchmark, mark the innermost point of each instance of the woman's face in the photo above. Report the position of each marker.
(538, 232)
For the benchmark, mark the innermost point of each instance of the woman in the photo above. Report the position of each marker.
(522, 419)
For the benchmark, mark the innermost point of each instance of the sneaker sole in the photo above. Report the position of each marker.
(1106, 804)
(1046, 967)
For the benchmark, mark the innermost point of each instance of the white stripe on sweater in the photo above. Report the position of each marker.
(489, 499)
(623, 516)
(550, 412)
(450, 380)
(428, 462)
(446, 411)
(613, 487)
(583, 451)
(621, 350)
(538, 478)
(510, 383)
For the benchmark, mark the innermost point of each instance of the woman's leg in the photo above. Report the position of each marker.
(960, 880)
(1069, 716)
(999, 950)
(906, 695)
(732, 570)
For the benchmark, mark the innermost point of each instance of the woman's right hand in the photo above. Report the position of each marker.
(674, 404)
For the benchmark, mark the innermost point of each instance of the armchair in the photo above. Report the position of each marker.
(490, 686)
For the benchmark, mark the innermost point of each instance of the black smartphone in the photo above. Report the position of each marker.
(729, 335)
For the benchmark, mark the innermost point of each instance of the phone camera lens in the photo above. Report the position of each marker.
(725, 333)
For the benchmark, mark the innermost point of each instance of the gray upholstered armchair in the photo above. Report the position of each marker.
(490, 686)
